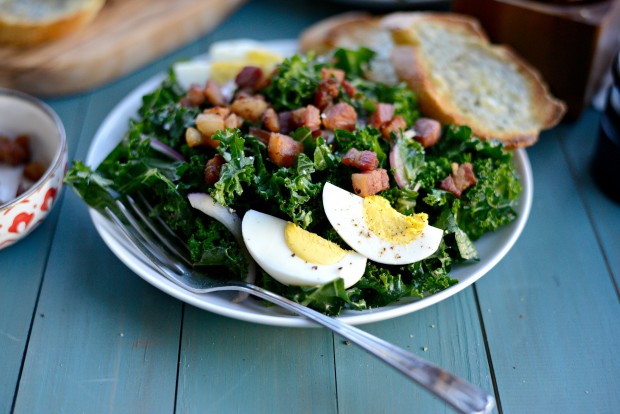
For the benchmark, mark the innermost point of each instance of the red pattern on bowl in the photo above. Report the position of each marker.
(22, 215)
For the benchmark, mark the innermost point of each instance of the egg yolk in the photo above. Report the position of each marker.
(390, 225)
(222, 72)
(311, 247)
(263, 58)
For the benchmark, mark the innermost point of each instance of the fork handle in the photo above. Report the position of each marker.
(463, 396)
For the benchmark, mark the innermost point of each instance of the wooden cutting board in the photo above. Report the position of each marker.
(125, 35)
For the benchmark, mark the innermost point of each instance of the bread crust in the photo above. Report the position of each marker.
(408, 61)
(324, 35)
(399, 23)
(23, 32)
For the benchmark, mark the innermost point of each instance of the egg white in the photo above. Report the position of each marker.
(191, 72)
(345, 212)
(264, 238)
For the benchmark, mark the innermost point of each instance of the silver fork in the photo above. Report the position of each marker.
(159, 244)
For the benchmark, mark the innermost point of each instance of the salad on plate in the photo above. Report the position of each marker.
(345, 195)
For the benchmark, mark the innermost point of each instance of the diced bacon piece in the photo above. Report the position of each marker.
(462, 178)
(362, 160)
(262, 135)
(195, 95)
(325, 94)
(393, 126)
(213, 169)
(233, 121)
(310, 117)
(329, 87)
(250, 108)
(383, 114)
(286, 122)
(249, 77)
(282, 149)
(262, 83)
(427, 131)
(369, 183)
(271, 121)
(15, 152)
(193, 137)
(340, 116)
(242, 94)
(350, 90)
(332, 73)
(34, 170)
(208, 124)
(213, 93)
(448, 185)
(322, 98)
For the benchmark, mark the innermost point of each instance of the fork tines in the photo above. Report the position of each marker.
(149, 235)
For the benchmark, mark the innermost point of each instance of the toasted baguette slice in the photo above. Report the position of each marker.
(31, 22)
(458, 76)
(461, 78)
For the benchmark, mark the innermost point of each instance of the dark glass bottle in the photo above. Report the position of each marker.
(606, 161)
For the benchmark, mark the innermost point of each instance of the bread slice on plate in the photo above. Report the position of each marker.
(459, 76)
(31, 22)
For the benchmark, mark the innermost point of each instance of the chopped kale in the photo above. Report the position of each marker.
(354, 62)
(294, 83)
(249, 179)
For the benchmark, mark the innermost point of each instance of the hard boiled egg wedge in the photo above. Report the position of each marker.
(371, 227)
(296, 257)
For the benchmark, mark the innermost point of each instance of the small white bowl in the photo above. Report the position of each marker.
(23, 114)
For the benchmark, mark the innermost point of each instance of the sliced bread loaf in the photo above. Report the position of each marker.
(30, 22)
(459, 77)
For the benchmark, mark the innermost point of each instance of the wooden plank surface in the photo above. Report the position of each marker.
(228, 366)
(448, 334)
(104, 332)
(125, 35)
(103, 340)
(21, 268)
(578, 141)
(550, 310)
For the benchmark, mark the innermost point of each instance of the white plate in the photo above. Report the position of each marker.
(491, 247)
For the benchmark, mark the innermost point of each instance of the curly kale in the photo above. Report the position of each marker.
(248, 179)
(369, 139)
(162, 117)
(295, 83)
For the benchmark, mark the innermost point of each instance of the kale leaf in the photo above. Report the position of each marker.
(161, 115)
(295, 83)
(237, 171)
(368, 138)
(249, 179)
(353, 62)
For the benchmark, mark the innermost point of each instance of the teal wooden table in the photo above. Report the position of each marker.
(81, 333)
